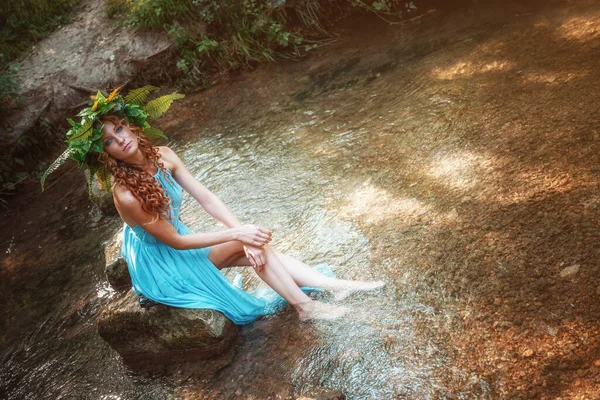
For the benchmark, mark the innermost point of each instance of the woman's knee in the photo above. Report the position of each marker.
(223, 254)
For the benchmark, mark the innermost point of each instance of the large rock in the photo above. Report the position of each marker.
(161, 334)
(102, 199)
(116, 270)
(91, 52)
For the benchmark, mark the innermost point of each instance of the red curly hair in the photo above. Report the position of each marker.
(140, 183)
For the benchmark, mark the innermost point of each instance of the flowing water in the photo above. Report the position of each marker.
(374, 160)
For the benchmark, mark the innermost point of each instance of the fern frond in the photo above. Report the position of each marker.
(113, 94)
(138, 96)
(160, 105)
(154, 133)
(84, 132)
(104, 178)
(54, 166)
(91, 175)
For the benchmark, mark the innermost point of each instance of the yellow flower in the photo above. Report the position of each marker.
(113, 94)
(95, 106)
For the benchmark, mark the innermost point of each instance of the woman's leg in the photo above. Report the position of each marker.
(277, 277)
(273, 273)
(303, 275)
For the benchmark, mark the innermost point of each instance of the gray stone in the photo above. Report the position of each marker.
(163, 335)
(116, 270)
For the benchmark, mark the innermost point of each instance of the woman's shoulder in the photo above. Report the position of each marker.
(166, 153)
(169, 158)
(123, 196)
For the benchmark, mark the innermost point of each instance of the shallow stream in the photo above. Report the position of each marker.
(406, 159)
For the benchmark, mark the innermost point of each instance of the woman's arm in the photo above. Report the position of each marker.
(130, 208)
(210, 202)
(213, 205)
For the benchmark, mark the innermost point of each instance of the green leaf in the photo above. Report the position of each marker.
(96, 134)
(105, 179)
(84, 132)
(100, 97)
(57, 163)
(138, 96)
(154, 133)
(159, 106)
(97, 147)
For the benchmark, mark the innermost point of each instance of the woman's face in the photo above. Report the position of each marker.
(119, 141)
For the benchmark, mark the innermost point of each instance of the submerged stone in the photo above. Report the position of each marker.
(569, 272)
(162, 334)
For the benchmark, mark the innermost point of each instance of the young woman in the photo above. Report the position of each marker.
(172, 265)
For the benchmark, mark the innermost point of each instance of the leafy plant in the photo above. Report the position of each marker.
(84, 137)
(23, 22)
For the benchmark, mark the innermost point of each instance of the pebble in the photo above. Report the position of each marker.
(453, 214)
(528, 353)
(569, 271)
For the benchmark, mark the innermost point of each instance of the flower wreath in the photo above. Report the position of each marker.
(84, 136)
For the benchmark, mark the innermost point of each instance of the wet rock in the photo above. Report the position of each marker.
(116, 270)
(102, 199)
(332, 395)
(569, 272)
(163, 335)
(74, 62)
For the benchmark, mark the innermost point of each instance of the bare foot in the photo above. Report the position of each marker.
(346, 288)
(318, 310)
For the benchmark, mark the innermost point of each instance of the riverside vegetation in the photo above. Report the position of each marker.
(211, 38)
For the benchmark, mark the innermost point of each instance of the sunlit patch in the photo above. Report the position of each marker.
(492, 46)
(580, 29)
(468, 68)
(531, 182)
(553, 77)
(460, 169)
(374, 204)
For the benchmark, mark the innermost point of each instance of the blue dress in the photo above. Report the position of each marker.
(187, 278)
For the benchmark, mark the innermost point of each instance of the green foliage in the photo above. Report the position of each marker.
(216, 35)
(159, 106)
(21, 161)
(8, 89)
(57, 163)
(154, 133)
(138, 96)
(84, 137)
(23, 22)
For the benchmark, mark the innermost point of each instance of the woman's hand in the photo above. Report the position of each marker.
(253, 235)
(256, 256)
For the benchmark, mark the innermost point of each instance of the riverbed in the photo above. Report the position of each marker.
(454, 157)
